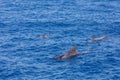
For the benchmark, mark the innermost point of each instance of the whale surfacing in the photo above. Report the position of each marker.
(43, 36)
(71, 53)
(94, 38)
(99, 38)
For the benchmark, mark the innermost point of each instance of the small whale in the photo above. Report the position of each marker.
(43, 36)
(94, 38)
(71, 53)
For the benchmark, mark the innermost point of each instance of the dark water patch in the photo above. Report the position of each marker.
(92, 23)
(45, 24)
(11, 74)
(112, 62)
(8, 46)
(98, 10)
(2, 25)
(116, 24)
(113, 54)
(115, 77)
(21, 39)
(106, 6)
(92, 68)
(69, 3)
(114, 28)
(30, 70)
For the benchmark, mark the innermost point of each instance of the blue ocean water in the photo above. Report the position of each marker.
(25, 56)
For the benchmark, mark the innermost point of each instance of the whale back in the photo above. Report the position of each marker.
(71, 53)
(99, 38)
(59, 57)
(72, 50)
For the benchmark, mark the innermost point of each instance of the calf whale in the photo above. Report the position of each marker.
(43, 36)
(71, 53)
(94, 38)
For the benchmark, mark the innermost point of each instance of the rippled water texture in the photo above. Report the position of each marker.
(25, 56)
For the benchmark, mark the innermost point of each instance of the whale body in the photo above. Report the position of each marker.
(71, 53)
(94, 38)
(99, 38)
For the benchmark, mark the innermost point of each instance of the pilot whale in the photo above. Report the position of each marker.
(71, 53)
(94, 38)
(43, 36)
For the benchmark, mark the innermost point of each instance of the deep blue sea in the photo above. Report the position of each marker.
(24, 55)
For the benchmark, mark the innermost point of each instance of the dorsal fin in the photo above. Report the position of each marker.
(71, 53)
(72, 50)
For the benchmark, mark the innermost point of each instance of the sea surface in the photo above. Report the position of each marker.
(24, 55)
